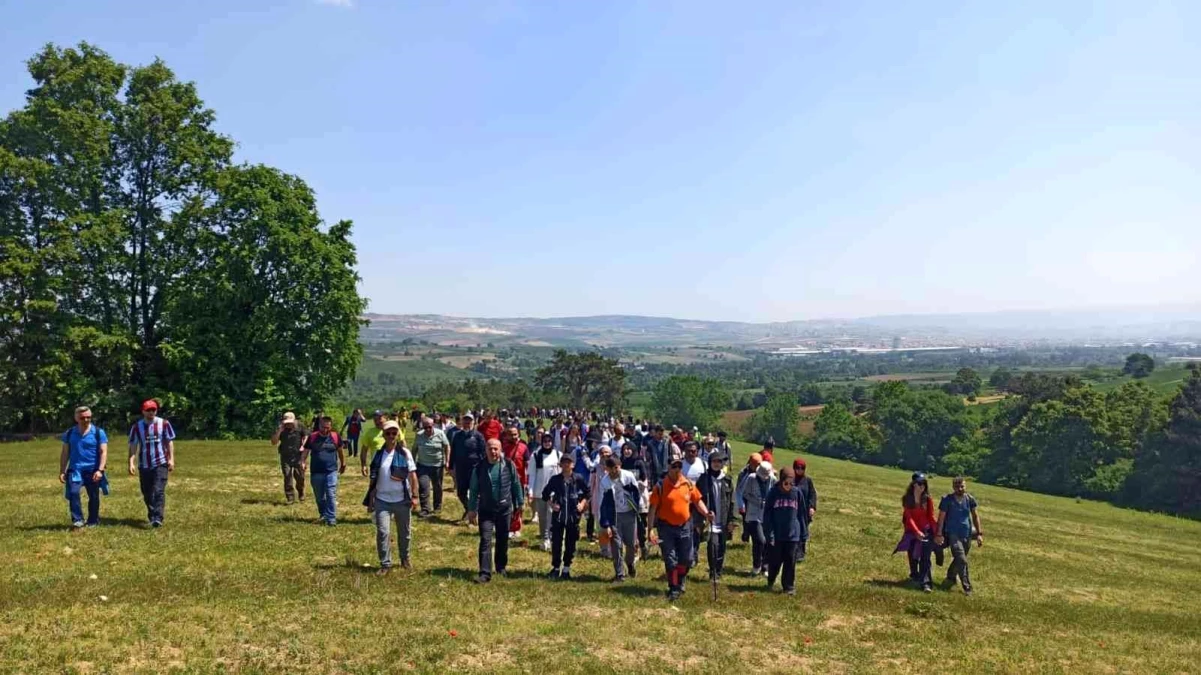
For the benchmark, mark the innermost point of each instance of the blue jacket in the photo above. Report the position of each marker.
(786, 515)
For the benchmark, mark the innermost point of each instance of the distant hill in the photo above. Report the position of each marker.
(1110, 326)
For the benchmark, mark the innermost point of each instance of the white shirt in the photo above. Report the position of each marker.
(607, 484)
(386, 489)
(694, 470)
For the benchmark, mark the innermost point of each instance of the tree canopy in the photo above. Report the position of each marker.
(689, 401)
(138, 260)
(1139, 365)
(586, 379)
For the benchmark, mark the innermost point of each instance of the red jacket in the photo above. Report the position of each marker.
(920, 519)
(491, 429)
(516, 452)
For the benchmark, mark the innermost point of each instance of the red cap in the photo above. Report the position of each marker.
(797, 464)
(149, 404)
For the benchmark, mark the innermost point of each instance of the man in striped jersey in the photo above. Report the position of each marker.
(152, 454)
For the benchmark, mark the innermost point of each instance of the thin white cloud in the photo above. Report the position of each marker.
(346, 4)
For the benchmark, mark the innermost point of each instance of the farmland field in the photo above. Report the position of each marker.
(237, 581)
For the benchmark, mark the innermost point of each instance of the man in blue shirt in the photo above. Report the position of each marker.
(81, 465)
(957, 520)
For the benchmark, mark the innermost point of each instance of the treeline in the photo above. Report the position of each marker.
(1055, 435)
(137, 260)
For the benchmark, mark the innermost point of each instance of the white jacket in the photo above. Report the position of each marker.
(538, 478)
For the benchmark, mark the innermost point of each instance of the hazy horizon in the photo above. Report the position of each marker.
(800, 161)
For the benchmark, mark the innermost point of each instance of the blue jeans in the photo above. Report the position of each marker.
(325, 491)
(93, 490)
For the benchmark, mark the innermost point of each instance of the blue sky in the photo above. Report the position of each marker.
(750, 161)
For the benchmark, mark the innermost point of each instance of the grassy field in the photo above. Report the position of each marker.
(1165, 380)
(238, 582)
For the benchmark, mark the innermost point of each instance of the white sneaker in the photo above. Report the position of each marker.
(545, 545)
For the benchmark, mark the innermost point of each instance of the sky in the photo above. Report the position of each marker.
(763, 161)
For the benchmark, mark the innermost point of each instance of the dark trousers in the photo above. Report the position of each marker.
(675, 544)
(919, 562)
(715, 552)
(781, 561)
(293, 481)
(591, 526)
(154, 491)
(429, 478)
(352, 444)
(563, 538)
(958, 569)
(758, 544)
(463, 483)
(494, 534)
(642, 532)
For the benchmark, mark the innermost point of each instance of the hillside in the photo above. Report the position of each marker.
(884, 332)
(237, 581)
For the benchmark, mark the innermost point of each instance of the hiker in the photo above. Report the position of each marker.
(717, 494)
(543, 466)
(672, 502)
(659, 452)
(491, 427)
(754, 499)
(433, 448)
(601, 454)
(81, 466)
(805, 484)
(722, 447)
(467, 450)
(392, 493)
(516, 451)
(917, 517)
(289, 436)
(752, 463)
(567, 496)
(957, 519)
(694, 466)
(493, 495)
(787, 521)
(328, 462)
(152, 457)
(352, 427)
(619, 516)
(768, 451)
(630, 461)
(373, 439)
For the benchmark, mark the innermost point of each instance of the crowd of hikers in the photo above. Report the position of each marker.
(627, 485)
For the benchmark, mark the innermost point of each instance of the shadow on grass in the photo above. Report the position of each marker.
(265, 502)
(892, 583)
(348, 565)
(639, 591)
(135, 523)
(454, 573)
(760, 587)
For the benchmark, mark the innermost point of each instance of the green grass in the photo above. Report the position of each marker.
(237, 581)
(1165, 380)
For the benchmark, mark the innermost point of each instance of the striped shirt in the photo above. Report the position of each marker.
(151, 439)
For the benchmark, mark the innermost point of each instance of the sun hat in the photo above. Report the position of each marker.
(765, 470)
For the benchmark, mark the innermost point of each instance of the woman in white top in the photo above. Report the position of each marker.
(392, 493)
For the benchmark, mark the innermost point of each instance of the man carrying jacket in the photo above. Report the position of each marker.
(494, 493)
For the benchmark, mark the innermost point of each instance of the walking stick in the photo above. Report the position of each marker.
(711, 551)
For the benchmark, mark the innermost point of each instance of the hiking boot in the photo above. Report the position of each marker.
(673, 595)
(424, 513)
(483, 579)
(406, 564)
(383, 571)
(553, 574)
(618, 580)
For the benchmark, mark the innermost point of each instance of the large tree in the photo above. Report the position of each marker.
(587, 379)
(1167, 470)
(689, 401)
(124, 225)
(777, 420)
(1138, 365)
